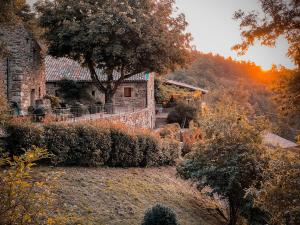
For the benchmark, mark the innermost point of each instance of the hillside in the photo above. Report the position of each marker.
(243, 82)
(121, 196)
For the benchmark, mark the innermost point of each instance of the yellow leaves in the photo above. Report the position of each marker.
(50, 221)
(25, 196)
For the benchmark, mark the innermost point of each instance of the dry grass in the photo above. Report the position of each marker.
(121, 196)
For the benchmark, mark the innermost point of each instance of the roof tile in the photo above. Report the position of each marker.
(63, 68)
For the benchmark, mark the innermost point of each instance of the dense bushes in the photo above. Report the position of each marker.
(94, 145)
(183, 114)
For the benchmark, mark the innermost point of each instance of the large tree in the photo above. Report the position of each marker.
(127, 36)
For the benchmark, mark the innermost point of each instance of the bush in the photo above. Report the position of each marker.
(93, 146)
(125, 149)
(23, 136)
(170, 151)
(151, 150)
(88, 145)
(59, 140)
(183, 114)
(160, 215)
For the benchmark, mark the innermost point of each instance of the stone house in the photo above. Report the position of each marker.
(22, 72)
(137, 91)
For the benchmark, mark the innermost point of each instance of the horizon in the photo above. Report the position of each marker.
(217, 34)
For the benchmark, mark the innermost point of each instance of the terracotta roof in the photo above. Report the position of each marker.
(63, 68)
(184, 85)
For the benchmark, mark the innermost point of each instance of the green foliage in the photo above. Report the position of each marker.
(231, 159)
(140, 36)
(25, 199)
(12, 11)
(59, 140)
(279, 195)
(125, 149)
(183, 114)
(160, 215)
(160, 93)
(88, 145)
(24, 136)
(287, 95)
(54, 101)
(93, 147)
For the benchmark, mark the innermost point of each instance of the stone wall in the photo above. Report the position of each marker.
(22, 73)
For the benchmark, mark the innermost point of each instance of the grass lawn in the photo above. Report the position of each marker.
(107, 196)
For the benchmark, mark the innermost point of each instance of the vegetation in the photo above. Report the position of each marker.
(230, 160)
(98, 144)
(183, 114)
(24, 199)
(140, 37)
(160, 215)
(279, 195)
(13, 12)
(287, 95)
(280, 19)
(248, 85)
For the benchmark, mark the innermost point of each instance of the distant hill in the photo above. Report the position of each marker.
(243, 82)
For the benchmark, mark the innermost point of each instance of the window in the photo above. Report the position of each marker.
(93, 93)
(127, 92)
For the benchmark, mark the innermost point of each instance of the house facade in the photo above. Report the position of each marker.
(22, 72)
(136, 91)
(134, 94)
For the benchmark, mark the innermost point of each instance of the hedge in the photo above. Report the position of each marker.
(93, 145)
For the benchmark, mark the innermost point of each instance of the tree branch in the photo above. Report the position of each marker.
(94, 76)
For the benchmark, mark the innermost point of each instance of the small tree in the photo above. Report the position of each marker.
(230, 160)
(160, 215)
(126, 36)
(24, 199)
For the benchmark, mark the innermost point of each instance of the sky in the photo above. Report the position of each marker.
(214, 30)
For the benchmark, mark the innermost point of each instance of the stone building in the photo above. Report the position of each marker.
(136, 92)
(22, 72)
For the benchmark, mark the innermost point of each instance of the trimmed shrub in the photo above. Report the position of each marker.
(125, 149)
(93, 146)
(148, 145)
(23, 136)
(88, 145)
(160, 215)
(60, 139)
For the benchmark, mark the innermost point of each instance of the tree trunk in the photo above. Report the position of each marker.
(233, 213)
(109, 107)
